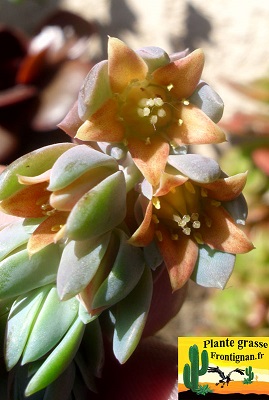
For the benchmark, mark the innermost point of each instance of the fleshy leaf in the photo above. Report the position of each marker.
(213, 268)
(92, 214)
(93, 348)
(124, 275)
(19, 273)
(238, 209)
(76, 162)
(155, 57)
(79, 262)
(21, 318)
(131, 314)
(208, 101)
(94, 91)
(58, 360)
(53, 321)
(30, 164)
(12, 237)
(196, 167)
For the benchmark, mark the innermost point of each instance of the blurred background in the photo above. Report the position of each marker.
(42, 68)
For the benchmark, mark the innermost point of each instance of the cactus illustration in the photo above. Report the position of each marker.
(250, 375)
(192, 372)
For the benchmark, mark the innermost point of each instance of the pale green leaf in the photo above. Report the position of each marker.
(53, 321)
(58, 360)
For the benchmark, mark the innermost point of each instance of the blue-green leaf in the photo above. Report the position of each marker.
(79, 262)
(124, 275)
(213, 268)
(75, 162)
(94, 91)
(196, 167)
(131, 314)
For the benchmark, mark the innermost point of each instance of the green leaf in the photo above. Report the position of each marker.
(99, 210)
(62, 387)
(30, 164)
(20, 274)
(58, 360)
(131, 315)
(75, 162)
(12, 237)
(21, 318)
(53, 321)
(124, 275)
(79, 262)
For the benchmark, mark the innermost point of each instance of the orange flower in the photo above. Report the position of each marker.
(141, 100)
(186, 213)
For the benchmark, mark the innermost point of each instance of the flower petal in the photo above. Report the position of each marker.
(224, 234)
(145, 232)
(179, 256)
(184, 74)
(197, 127)
(103, 126)
(46, 231)
(124, 65)
(169, 182)
(228, 188)
(150, 158)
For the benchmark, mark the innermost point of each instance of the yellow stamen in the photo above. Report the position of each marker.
(194, 216)
(170, 87)
(155, 219)
(196, 224)
(185, 102)
(215, 203)
(198, 238)
(189, 186)
(156, 202)
(161, 113)
(180, 122)
(56, 228)
(203, 192)
(174, 236)
(159, 235)
(186, 231)
(158, 101)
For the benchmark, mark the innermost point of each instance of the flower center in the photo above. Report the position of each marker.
(146, 110)
(181, 211)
